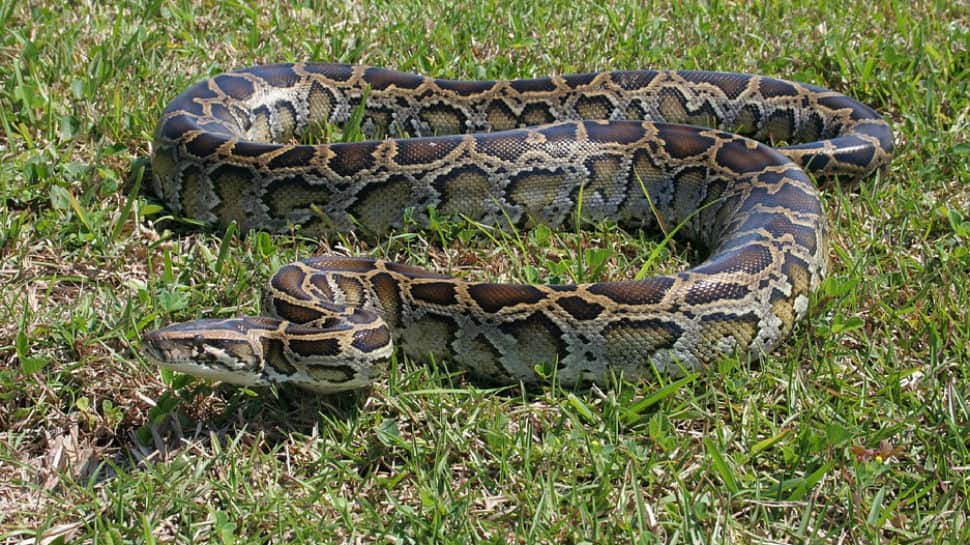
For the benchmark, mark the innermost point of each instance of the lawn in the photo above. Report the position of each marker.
(857, 430)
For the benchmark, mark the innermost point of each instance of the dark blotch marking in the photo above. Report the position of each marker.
(464, 87)
(336, 72)
(576, 80)
(563, 132)
(317, 91)
(878, 130)
(493, 297)
(757, 122)
(708, 291)
(319, 281)
(840, 102)
(435, 293)
(367, 340)
(205, 144)
(493, 373)
(731, 84)
(253, 322)
(636, 110)
(281, 105)
(352, 288)
(787, 196)
(794, 265)
(223, 114)
(683, 141)
(539, 85)
(274, 353)
(387, 293)
(778, 225)
(351, 158)
(748, 317)
(380, 79)
(235, 86)
(778, 295)
(245, 148)
(579, 308)
(816, 162)
(643, 292)
(771, 87)
(200, 90)
(296, 313)
(738, 157)
(677, 96)
(295, 157)
(688, 182)
(507, 145)
(388, 195)
(854, 151)
(417, 346)
(750, 259)
(418, 151)
(633, 79)
(288, 279)
(381, 116)
(175, 127)
(315, 347)
(277, 75)
(621, 132)
(215, 126)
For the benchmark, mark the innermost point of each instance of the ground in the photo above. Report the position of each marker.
(855, 431)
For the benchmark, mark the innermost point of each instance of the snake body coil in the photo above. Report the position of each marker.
(647, 149)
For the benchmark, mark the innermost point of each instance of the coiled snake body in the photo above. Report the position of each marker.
(510, 152)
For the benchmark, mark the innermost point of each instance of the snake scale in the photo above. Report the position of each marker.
(647, 149)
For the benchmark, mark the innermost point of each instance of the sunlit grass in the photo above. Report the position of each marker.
(855, 431)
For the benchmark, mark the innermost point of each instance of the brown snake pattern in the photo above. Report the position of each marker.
(647, 149)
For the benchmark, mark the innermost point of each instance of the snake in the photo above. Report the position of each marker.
(731, 162)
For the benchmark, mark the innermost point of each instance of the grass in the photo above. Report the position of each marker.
(855, 431)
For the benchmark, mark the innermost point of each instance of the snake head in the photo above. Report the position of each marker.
(335, 355)
(215, 349)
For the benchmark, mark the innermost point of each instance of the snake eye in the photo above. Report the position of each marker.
(198, 340)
